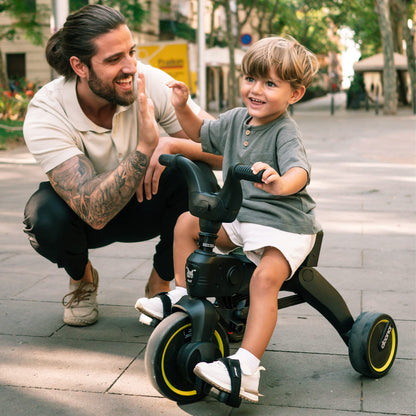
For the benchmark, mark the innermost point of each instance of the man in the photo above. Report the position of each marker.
(94, 134)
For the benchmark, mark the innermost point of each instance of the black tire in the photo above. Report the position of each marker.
(373, 344)
(161, 357)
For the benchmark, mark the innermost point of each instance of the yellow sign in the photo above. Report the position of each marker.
(171, 57)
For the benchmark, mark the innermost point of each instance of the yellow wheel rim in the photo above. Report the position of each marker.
(392, 351)
(165, 378)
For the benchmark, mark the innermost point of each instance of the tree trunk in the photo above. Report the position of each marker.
(398, 16)
(3, 77)
(411, 62)
(389, 73)
(402, 12)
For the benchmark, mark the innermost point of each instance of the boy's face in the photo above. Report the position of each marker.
(267, 98)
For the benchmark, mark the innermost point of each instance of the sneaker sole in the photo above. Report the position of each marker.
(246, 395)
(140, 308)
(80, 322)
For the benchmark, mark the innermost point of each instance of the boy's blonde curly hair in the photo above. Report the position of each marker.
(291, 61)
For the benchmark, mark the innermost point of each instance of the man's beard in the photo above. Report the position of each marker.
(108, 92)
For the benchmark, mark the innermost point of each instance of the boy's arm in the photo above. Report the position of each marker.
(190, 122)
(289, 183)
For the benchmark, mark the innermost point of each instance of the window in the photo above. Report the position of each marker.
(16, 66)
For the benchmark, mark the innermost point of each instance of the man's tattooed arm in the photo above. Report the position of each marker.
(96, 199)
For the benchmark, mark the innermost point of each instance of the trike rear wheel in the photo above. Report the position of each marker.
(373, 344)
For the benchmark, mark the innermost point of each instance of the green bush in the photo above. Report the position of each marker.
(11, 134)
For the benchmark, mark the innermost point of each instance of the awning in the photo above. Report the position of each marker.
(376, 63)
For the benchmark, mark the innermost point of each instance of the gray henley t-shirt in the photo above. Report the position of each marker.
(278, 144)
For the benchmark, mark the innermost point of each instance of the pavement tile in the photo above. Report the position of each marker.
(400, 305)
(394, 393)
(386, 278)
(115, 323)
(397, 259)
(113, 266)
(304, 334)
(340, 257)
(30, 318)
(30, 263)
(52, 402)
(15, 283)
(69, 364)
(309, 380)
(406, 331)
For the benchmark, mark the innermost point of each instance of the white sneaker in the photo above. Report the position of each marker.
(81, 307)
(160, 305)
(216, 374)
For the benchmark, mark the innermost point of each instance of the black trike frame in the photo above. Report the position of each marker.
(226, 277)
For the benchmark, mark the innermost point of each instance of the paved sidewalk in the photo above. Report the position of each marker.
(363, 179)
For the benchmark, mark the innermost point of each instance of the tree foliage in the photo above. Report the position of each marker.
(27, 18)
(133, 10)
(360, 17)
(305, 20)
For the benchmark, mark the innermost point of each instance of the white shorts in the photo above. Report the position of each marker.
(253, 238)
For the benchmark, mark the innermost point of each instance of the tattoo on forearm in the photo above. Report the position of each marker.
(98, 198)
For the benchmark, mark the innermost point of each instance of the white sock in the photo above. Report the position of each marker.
(248, 361)
(177, 293)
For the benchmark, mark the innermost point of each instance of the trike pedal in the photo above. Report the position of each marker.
(225, 397)
(222, 396)
(148, 320)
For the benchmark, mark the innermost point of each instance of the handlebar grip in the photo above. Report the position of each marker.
(245, 172)
(166, 159)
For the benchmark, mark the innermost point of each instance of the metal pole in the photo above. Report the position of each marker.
(60, 13)
(201, 90)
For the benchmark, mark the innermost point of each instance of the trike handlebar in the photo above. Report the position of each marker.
(245, 172)
(205, 201)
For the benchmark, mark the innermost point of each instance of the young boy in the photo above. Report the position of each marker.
(276, 226)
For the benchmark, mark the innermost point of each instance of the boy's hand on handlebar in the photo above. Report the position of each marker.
(271, 181)
(292, 181)
(180, 93)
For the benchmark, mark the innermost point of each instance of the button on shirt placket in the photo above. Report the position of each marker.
(246, 142)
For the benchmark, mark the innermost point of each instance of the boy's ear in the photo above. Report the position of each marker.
(297, 94)
(79, 67)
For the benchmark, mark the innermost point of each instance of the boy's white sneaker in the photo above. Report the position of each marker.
(160, 305)
(216, 374)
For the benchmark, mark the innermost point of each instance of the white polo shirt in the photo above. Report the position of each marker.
(56, 128)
